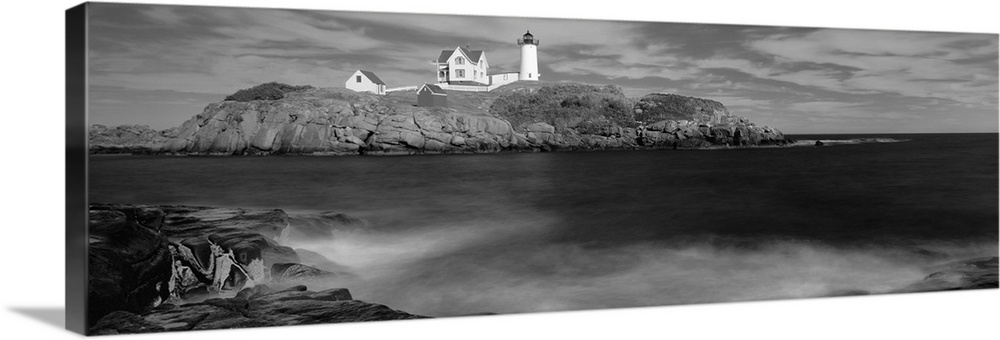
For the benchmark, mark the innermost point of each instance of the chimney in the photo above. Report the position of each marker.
(468, 47)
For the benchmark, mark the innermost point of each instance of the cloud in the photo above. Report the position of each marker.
(820, 106)
(164, 14)
(916, 64)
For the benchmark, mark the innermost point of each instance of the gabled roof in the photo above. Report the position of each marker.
(371, 76)
(443, 58)
(434, 89)
(473, 55)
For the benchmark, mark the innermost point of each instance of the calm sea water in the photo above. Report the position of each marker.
(521, 232)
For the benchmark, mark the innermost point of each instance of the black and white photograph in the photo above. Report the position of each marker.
(249, 167)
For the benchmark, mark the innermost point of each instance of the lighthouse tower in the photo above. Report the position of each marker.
(529, 57)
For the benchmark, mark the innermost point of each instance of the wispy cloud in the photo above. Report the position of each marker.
(905, 63)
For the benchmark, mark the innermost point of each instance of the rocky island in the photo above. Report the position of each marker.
(523, 116)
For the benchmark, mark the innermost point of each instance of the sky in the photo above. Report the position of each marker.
(160, 65)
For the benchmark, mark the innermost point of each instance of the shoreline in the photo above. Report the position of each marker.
(395, 153)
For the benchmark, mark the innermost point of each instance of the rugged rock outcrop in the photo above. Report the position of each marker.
(212, 248)
(335, 121)
(146, 257)
(129, 265)
(978, 273)
(318, 261)
(323, 226)
(251, 307)
(657, 107)
(696, 122)
(250, 233)
(126, 138)
(297, 272)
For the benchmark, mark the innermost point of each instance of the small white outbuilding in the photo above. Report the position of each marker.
(365, 81)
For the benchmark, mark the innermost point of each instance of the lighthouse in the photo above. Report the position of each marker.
(529, 57)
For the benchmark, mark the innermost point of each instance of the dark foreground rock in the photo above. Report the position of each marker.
(323, 226)
(252, 307)
(296, 271)
(147, 261)
(250, 233)
(978, 273)
(207, 248)
(129, 265)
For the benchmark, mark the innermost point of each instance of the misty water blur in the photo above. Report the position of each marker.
(497, 268)
(464, 234)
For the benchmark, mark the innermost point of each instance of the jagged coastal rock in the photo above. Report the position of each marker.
(252, 307)
(126, 138)
(151, 267)
(130, 263)
(333, 121)
(517, 117)
(978, 273)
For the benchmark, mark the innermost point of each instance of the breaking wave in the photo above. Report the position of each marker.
(476, 267)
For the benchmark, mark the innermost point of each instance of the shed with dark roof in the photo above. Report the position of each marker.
(432, 96)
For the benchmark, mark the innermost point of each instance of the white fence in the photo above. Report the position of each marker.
(467, 88)
(446, 86)
(404, 88)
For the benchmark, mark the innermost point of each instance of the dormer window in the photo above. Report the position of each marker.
(459, 61)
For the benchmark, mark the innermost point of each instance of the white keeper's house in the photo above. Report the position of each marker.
(464, 69)
(463, 66)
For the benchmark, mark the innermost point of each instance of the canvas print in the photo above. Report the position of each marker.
(270, 167)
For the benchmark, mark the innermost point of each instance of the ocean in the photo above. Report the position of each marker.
(528, 232)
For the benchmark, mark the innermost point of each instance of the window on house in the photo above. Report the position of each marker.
(459, 61)
(358, 79)
(459, 73)
(474, 74)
